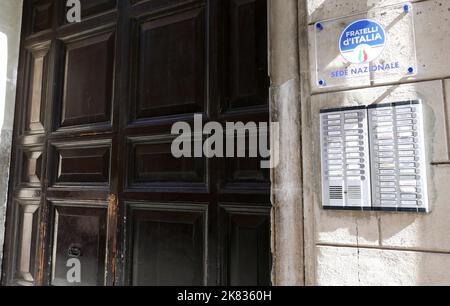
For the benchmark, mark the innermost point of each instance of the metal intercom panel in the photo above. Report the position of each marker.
(345, 158)
(398, 157)
(373, 158)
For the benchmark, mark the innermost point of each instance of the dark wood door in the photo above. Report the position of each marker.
(93, 176)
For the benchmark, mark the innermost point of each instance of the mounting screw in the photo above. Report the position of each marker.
(410, 70)
(319, 26)
(322, 83)
(407, 8)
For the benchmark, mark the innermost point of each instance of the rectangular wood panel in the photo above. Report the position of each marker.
(246, 81)
(79, 233)
(88, 80)
(245, 173)
(41, 16)
(151, 163)
(246, 170)
(31, 167)
(82, 163)
(247, 241)
(37, 69)
(169, 70)
(26, 244)
(168, 245)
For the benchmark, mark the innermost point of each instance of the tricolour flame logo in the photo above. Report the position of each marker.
(363, 56)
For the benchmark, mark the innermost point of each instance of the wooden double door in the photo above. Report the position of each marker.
(93, 177)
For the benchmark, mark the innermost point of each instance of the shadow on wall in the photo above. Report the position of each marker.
(319, 8)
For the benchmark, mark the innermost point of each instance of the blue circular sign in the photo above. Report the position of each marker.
(362, 41)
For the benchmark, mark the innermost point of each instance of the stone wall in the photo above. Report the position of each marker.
(287, 228)
(10, 24)
(378, 248)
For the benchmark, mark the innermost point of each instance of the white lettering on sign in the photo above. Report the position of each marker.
(362, 41)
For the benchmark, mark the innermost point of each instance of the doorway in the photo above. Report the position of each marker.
(93, 179)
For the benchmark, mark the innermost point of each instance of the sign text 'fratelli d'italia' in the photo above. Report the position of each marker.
(362, 42)
(352, 47)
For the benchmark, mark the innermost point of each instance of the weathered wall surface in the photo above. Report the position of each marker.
(10, 22)
(377, 248)
(287, 231)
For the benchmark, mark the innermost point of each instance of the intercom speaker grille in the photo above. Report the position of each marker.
(354, 193)
(336, 193)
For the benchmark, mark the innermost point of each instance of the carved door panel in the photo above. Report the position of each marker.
(94, 181)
